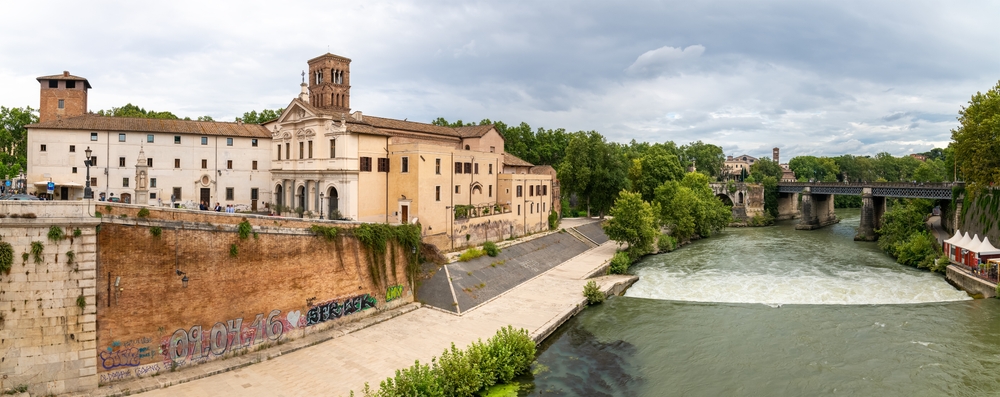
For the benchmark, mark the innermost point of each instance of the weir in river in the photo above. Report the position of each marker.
(775, 311)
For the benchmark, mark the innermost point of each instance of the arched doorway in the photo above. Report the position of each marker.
(333, 204)
(279, 196)
(740, 198)
(301, 202)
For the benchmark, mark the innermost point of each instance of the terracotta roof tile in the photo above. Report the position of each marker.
(510, 159)
(105, 123)
(411, 126)
(474, 131)
(65, 76)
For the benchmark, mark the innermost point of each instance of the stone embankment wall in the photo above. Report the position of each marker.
(47, 312)
(240, 294)
(969, 283)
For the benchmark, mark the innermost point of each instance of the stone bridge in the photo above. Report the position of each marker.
(747, 199)
(817, 201)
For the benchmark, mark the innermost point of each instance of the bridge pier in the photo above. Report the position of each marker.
(788, 206)
(817, 211)
(872, 209)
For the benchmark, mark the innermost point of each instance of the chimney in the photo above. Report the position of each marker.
(65, 73)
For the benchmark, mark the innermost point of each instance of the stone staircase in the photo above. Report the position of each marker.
(579, 236)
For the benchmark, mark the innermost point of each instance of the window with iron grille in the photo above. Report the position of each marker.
(365, 164)
(458, 168)
(383, 164)
(468, 168)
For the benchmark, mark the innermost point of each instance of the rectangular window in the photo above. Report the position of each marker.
(149, 162)
(477, 169)
(229, 194)
(121, 161)
(437, 193)
(491, 191)
(254, 193)
(121, 137)
(93, 181)
(302, 146)
(457, 190)
(333, 148)
(545, 190)
(124, 182)
(93, 161)
(152, 195)
(176, 196)
(458, 167)
(491, 169)
(43, 147)
(365, 164)
(288, 151)
(204, 140)
(229, 164)
(520, 191)
(405, 165)
(74, 170)
(177, 139)
(53, 83)
(229, 141)
(253, 165)
(310, 149)
(149, 138)
(467, 168)
(152, 182)
(383, 165)
(62, 104)
(253, 142)
(70, 84)
(493, 149)
(279, 152)
(531, 191)
(204, 164)
(93, 136)
(519, 209)
(177, 163)
(72, 148)
(437, 166)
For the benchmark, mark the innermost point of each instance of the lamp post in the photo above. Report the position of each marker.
(88, 194)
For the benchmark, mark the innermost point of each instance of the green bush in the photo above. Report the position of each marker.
(666, 243)
(6, 257)
(143, 212)
(491, 249)
(245, 229)
(98, 214)
(593, 294)
(156, 231)
(470, 254)
(553, 220)
(56, 233)
(764, 219)
(233, 250)
(464, 372)
(620, 263)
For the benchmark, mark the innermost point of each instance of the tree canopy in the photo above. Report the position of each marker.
(632, 222)
(130, 110)
(14, 140)
(977, 139)
(253, 117)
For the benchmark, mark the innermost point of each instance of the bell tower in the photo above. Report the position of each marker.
(330, 82)
(62, 96)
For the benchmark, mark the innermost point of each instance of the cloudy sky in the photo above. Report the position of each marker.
(820, 78)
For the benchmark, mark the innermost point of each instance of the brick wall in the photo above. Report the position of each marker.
(48, 341)
(285, 283)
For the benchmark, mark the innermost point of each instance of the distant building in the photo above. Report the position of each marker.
(787, 175)
(734, 166)
(919, 157)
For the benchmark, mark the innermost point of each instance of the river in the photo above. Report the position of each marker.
(777, 312)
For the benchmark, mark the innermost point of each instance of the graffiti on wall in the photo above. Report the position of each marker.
(197, 344)
(394, 292)
(335, 309)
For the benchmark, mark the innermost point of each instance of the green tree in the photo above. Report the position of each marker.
(253, 117)
(707, 158)
(977, 139)
(657, 165)
(130, 110)
(766, 167)
(820, 169)
(930, 171)
(14, 139)
(632, 223)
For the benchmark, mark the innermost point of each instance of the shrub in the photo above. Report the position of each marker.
(329, 232)
(77, 232)
(156, 231)
(36, 251)
(491, 249)
(6, 257)
(470, 254)
(666, 243)
(553, 220)
(764, 219)
(620, 263)
(143, 212)
(593, 294)
(245, 229)
(81, 302)
(233, 250)
(98, 214)
(56, 233)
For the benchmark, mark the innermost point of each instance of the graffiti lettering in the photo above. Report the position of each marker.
(198, 344)
(394, 292)
(333, 310)
(147, 369)
(137, 341)
(128, 357)
(115, 376)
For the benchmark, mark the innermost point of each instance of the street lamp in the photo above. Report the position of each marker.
(87, 193)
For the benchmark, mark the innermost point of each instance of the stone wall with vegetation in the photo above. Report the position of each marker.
(47, 296)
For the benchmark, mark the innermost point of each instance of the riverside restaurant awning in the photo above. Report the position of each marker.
(959, 246)
(983, 252)
(949, 244)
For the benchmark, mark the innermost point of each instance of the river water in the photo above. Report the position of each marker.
(777, 312)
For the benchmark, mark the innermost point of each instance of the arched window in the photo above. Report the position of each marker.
(466, 147)
(477, 189)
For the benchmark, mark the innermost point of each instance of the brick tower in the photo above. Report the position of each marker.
(775, 155)
(330, 82)
(62, 96)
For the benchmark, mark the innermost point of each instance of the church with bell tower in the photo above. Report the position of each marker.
(330, 82)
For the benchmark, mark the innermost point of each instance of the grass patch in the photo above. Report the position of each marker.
(470, 254)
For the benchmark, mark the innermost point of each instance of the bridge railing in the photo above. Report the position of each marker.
(988, 271)
(926, 185)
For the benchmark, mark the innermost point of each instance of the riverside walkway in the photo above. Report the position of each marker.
(370, 353)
